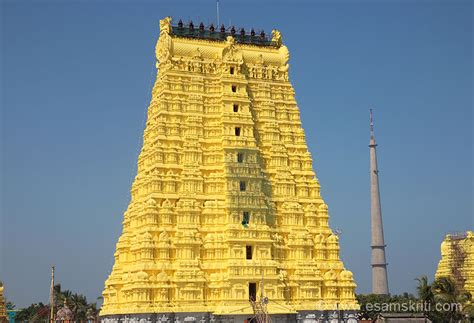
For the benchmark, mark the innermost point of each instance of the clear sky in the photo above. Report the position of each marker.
(75, 84)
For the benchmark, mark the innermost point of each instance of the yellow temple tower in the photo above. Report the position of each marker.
(226, 220)
(457, 260)
(3, 308)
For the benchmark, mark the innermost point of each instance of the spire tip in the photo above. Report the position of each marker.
(371, 121)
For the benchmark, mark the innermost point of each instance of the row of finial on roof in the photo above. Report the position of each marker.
(222, 29)
(212, 30)
(457, 235)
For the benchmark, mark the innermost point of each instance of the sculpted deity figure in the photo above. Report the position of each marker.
(165, 25)
(283, 69)
(163, 46)
(197, 53)
(276, 37)
(230, 53)
(230, 41)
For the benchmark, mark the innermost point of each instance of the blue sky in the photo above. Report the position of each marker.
(75, 84)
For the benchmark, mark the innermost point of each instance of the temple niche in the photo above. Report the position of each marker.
(226, 207)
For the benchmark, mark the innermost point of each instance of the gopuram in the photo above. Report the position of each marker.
(457, 260)
(226, 222)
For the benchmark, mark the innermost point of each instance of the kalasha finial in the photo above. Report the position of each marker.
(191, 26)
(252, 33)
(180, 24)
(211, 28)
(222, 29)
(201, 27)
(232, 31)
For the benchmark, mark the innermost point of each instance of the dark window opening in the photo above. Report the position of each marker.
(245, 218)
(237, 131)
(253, 291)
(231, 70)
(236, 108)
(240, 157)
(242, 186)
(234, 88)
(248, 252)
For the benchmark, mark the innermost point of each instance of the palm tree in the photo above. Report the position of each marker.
(445, 291)
(79, 307)
(424, 289)
(34, 311)
(92, 312)
(425, 294)
(65, 297)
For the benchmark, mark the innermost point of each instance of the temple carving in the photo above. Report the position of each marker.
(225, 205)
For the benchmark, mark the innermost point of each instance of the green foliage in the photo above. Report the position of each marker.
(34, 312)
(445, 292)
(77, 303)
(371, 304)
(10, 306)
(81, 309)
(440, 301)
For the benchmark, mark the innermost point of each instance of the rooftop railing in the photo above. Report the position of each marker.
(221, 34)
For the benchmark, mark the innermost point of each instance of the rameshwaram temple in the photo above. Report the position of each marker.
(226, 222)
(457, 260)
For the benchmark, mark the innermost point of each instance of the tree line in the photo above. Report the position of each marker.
(82, 310)
(442, 301)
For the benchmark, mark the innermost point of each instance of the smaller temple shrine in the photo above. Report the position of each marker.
(457, 260)
(64, 314)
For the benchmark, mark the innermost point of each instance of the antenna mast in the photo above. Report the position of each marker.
(371, 124)
(217, 4)
(379, 263)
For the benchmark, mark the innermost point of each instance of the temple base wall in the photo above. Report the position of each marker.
(299, 317)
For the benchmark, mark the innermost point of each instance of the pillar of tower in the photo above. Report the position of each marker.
(379, 264)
